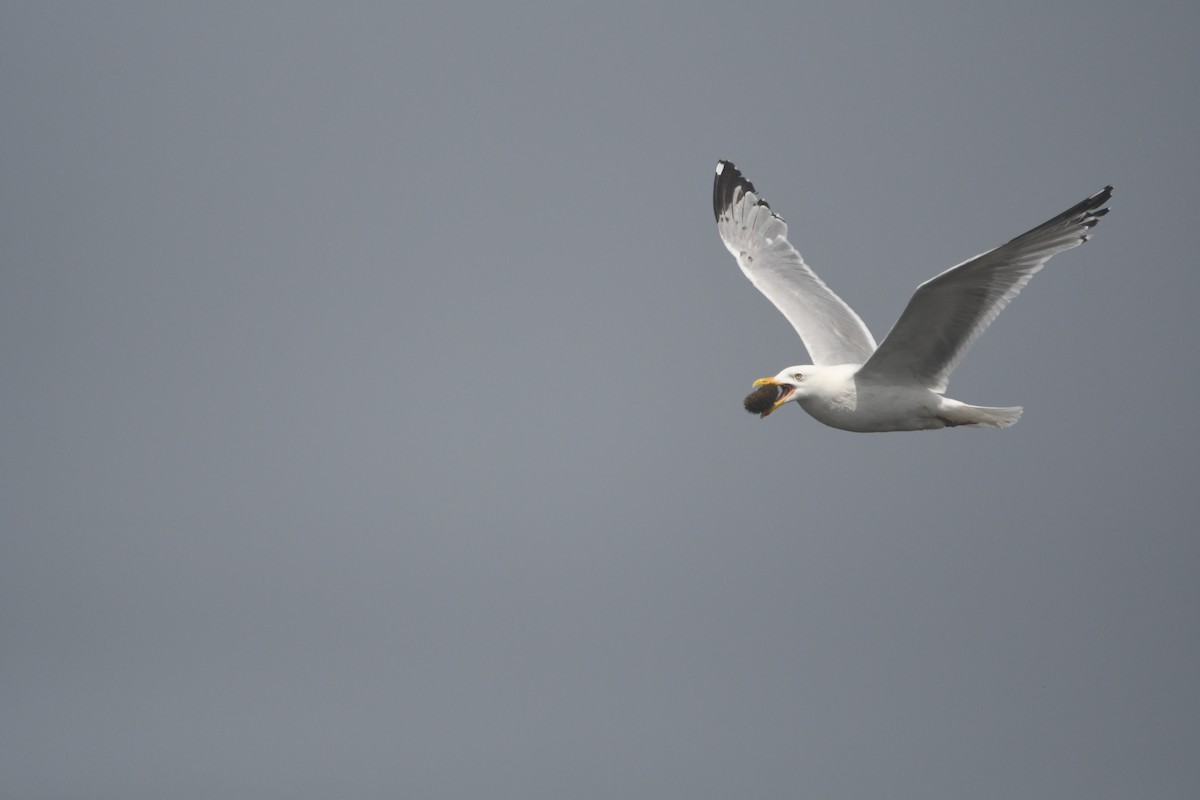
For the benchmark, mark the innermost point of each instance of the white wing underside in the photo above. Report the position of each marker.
(757, 238)
(944, 316)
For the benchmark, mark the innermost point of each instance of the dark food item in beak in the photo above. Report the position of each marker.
(762, 399)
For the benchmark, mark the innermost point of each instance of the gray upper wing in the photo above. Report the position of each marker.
(948, 312)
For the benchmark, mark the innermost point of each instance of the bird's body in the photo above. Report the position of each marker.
(837, 396)
(898, 386)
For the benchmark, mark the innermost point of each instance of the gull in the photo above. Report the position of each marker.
(899, 385)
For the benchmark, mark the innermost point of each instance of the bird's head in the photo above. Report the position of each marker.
(771, 393)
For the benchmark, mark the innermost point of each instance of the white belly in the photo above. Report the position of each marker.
(869, 408)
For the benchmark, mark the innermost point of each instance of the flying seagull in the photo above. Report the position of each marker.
(899, 385)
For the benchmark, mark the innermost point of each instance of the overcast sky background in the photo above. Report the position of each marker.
(370, 384)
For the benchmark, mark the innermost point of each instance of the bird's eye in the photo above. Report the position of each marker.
(798, 376)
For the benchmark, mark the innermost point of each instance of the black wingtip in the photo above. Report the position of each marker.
(1100, 198)
(1091, 209)
(726, 184)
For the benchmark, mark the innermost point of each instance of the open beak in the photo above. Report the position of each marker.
(786, 393)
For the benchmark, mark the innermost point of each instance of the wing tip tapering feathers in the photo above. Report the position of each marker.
(1092, 211)
(726, 183)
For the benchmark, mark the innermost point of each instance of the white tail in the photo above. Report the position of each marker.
(981, 416)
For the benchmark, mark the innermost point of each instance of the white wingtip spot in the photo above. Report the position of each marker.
(720, 167)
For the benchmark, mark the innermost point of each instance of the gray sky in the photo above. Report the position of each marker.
(370, 386)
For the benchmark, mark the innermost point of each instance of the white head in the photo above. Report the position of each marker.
(790, 384)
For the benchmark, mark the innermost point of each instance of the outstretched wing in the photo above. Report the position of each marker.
(757, 237)
(948, 312)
